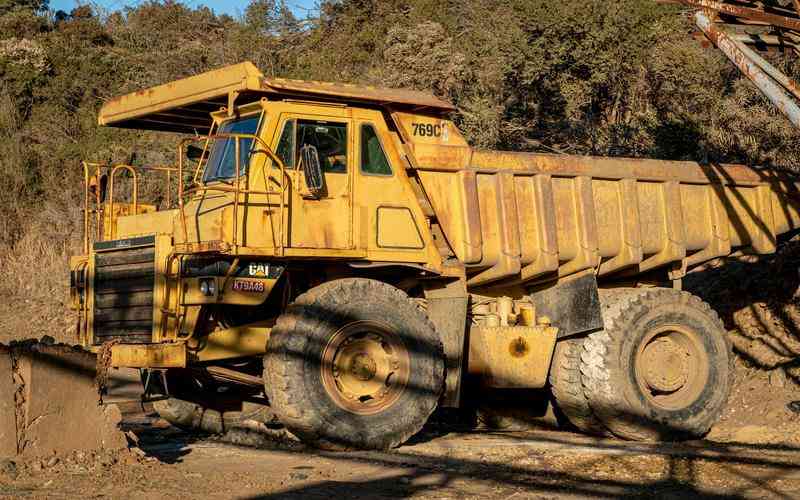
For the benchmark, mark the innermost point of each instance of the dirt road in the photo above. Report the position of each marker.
(532, 464)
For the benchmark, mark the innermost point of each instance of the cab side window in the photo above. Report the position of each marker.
(285, 149)
(373, 158)
(330, 139)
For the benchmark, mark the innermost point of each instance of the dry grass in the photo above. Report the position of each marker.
(37, 234)
(34, 286)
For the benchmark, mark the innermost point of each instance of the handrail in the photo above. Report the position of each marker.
(111, 193)
(85, 166)
(112, 170)
(205, 150)
(236, 184)
(235, 187)
(97, 201)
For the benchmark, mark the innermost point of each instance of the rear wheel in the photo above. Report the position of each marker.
(661, 369)
(354, 363)
(567, 387)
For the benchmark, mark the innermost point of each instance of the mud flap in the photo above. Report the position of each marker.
(573, 306)
(447, 310)
(49, 403)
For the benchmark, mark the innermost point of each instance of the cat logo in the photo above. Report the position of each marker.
(258, 270)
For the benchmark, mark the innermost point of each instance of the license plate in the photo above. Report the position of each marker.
(248, 286)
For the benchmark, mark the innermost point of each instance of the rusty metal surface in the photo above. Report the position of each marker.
(185, 105)
(608, 215)
(773, 72)
(775, 17)
(358, 93)
(447, 310)
(149, 355)
(738, 54)
(511, 357)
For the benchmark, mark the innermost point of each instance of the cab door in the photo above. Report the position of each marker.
(323, 221)
(391, 224)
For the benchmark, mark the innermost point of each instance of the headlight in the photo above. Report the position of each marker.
(208, 287)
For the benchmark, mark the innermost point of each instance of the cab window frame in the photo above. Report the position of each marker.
(374, 128)
(245, 172)
(282, 129)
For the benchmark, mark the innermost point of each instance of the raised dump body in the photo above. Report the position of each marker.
(344, 256)
(529, 216)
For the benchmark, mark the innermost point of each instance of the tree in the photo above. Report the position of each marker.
(32, 5)
(271, 17)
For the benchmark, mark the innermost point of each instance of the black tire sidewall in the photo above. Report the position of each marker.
(333, 426)
(701, 412)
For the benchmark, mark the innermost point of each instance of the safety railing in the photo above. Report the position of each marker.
(234, 185)
(102, 172)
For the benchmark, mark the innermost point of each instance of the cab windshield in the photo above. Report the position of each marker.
(222, 161)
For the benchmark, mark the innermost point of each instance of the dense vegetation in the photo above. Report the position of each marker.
(621, 78)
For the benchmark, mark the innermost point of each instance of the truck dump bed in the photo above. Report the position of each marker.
(519, 217)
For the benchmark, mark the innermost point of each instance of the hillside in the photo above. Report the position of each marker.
(619, 78)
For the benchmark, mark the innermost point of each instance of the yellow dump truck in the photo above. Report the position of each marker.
(341, 256)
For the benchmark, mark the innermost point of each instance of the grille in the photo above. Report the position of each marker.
(123, 293)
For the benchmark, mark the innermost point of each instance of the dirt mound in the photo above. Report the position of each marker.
(758, 299)
(49, 404)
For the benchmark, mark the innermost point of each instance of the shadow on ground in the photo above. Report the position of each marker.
(486, 463)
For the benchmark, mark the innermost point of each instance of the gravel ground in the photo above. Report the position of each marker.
(166, 463)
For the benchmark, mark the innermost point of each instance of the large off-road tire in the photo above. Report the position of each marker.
(195, 405)
(662, 367)
(567, 387)
(354, 363)
(193, 416)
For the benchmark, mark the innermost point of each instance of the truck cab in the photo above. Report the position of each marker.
(280, 172)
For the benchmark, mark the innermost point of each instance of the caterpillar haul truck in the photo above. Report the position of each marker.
(340, 256)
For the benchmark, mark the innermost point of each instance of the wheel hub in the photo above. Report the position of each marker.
(666, 367)
(365, 368)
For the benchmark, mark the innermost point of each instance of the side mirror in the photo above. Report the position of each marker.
(315, 180)
(194, 153)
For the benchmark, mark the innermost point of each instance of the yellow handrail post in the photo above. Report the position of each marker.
(114, 171)
(85, 207)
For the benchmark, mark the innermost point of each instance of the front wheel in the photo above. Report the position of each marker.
(354, 363)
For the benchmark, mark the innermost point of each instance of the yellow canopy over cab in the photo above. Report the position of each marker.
(184, 105)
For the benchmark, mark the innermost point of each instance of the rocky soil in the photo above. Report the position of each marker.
(754, 451)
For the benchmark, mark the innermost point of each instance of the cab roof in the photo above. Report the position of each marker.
(184, 105)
